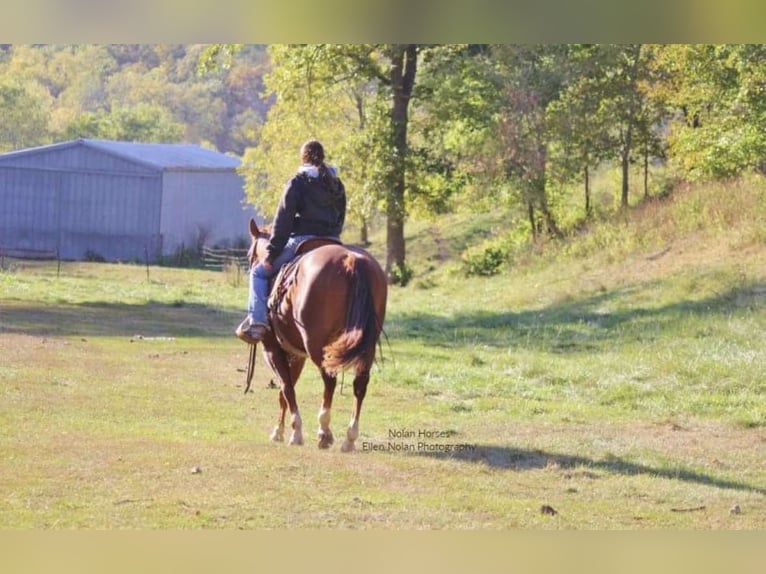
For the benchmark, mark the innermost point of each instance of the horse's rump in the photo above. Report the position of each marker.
(333, 308)
(355, 347)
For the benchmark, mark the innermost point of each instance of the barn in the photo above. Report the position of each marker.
(119, 200)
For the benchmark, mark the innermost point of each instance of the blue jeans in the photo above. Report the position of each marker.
(259, 280)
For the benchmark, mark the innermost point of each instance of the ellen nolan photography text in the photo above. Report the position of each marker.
(418, 440)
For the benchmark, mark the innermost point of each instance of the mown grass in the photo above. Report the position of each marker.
(621, 383)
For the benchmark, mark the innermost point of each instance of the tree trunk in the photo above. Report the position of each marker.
(630, 120)
(625, 168)
(531, 215)
(588, 207)
(541, 192)
(403, 69)
(551, 227)
(646, 172)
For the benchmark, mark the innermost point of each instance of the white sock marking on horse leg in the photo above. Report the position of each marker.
(324, 434)
(351, 435)
(324, 419)
(297, 436)
(278, 434)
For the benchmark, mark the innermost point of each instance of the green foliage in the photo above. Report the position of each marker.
(719, 89)
(487, 259)
(434, 183)
(309, 102)
(24, 121)
(126, 91)
(144, 122)
(400, 275)
(717, 150)
(216, 56)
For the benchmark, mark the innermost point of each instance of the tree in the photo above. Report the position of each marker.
(626, 102)
(605, 112)
(401, 82)
(309, 102)
(579, 122)
(719, 93)
(532, 78)
(357, 95)
(457, 107)
(25, 122)
(143, 123)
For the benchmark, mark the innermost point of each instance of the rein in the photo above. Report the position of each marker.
(250, 368)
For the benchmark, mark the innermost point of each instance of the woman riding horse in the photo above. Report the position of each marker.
(331, 305)
(313, 204)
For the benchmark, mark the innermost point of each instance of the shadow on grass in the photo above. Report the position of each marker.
(152, 319)
(569, 327)
(510, 458)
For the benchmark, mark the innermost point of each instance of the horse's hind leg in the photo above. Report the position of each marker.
(360, 390)
(324, 434)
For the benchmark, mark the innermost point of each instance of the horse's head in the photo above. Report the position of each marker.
(259, 240)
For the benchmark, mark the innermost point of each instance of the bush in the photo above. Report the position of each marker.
(487, 260)
(92, 256)
(401, 274)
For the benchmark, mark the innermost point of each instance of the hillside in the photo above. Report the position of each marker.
(669, 298)
(697, 231)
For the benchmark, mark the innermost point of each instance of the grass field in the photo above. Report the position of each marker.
(618, 380)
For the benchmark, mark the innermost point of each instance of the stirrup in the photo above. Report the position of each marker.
(251, 333)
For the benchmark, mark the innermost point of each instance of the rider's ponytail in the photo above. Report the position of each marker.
(312, 153)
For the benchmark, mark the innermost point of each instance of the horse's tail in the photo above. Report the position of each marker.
(355, 346)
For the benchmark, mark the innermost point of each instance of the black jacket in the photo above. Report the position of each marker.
(307, 207)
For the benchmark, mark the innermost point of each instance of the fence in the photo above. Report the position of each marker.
(36, 254)
(21, 253)
(217, 258)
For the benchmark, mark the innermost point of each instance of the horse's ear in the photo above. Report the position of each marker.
(253, 228)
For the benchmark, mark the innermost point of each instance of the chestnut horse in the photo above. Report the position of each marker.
(332, 312)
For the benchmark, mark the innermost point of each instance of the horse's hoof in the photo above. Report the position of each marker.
(277, 435)
(347, 446)
(296, 440)
(325, 440)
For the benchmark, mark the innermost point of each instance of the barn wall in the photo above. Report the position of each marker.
(114, 216)
(28, 209)
(205, 205)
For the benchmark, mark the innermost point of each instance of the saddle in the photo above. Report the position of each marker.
(282, 282)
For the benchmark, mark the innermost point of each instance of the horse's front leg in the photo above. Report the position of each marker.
(324, 434)
(278, 434)
(297, 425)
(288, 369)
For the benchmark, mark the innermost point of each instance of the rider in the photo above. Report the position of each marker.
(313, 204)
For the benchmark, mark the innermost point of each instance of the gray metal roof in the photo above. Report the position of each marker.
(158, 156)
(166, 156)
